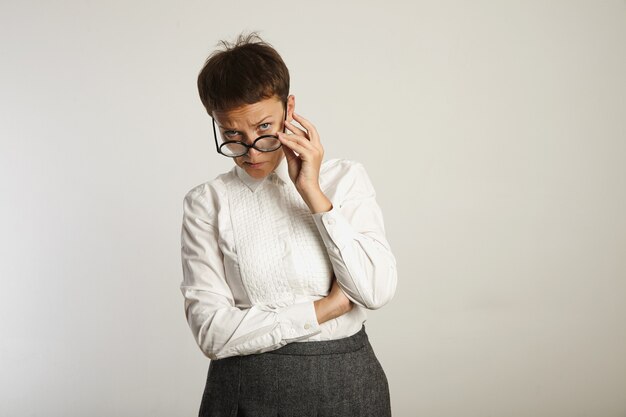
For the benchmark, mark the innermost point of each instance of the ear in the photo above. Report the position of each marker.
(291, 106)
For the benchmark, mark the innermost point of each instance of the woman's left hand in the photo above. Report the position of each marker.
(304, 167)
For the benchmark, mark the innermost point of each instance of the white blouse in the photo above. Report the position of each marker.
(255, 258)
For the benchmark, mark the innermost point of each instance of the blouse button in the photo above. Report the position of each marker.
(307, 326)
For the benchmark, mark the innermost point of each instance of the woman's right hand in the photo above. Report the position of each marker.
(333, 305)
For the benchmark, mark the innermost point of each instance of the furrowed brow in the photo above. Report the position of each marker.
(262, 120)
(257, 123)
(224, 127)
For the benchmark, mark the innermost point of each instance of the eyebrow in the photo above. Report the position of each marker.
(262, 120)
(257, 123)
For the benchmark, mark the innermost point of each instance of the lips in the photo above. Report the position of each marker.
(256, 165)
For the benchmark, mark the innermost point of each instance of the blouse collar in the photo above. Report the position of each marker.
(280, 175)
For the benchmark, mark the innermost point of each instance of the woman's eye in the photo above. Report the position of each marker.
(231, 133)
(265, 126)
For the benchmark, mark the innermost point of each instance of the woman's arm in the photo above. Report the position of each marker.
(354, 234)
(351, 223)
(220, 328)
(335, 304)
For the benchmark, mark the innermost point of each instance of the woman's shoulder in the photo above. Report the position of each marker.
(209, 191)
(341, 167)
(342, 176)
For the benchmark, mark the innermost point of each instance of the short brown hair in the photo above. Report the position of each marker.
(244, 72)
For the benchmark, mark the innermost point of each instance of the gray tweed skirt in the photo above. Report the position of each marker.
(334, 378)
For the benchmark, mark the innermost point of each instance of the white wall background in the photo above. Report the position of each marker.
(494, 132)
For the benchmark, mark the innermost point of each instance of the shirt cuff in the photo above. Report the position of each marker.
(334, 228)
(298, 321)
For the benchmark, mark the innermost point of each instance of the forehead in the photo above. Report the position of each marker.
(249, 114)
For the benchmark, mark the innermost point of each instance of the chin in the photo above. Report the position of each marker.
(256, 173)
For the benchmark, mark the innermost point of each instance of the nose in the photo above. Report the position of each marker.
(253, 153)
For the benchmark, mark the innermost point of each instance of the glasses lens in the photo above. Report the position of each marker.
(233, 149)
(267, 144)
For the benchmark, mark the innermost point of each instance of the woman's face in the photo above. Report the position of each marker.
(248, 122)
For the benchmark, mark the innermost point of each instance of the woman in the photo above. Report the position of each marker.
(282, 255)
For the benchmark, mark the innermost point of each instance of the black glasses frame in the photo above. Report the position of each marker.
(219, 147)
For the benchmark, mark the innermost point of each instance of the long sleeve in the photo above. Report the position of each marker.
(220, 328)
(354, 235)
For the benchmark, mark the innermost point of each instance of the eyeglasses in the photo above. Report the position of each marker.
(235, 148)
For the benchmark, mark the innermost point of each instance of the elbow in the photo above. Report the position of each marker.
(376, 305)
(205, 339)
(208, 344)
(209, 350)
(208, 325)
(382, 293)
(381, 278)
(377, 302)
(386, 290)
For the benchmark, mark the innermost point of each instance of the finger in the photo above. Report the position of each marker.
(289, 153)
(313, 135)
(304, 142)
(295, 129)
(295, 145)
